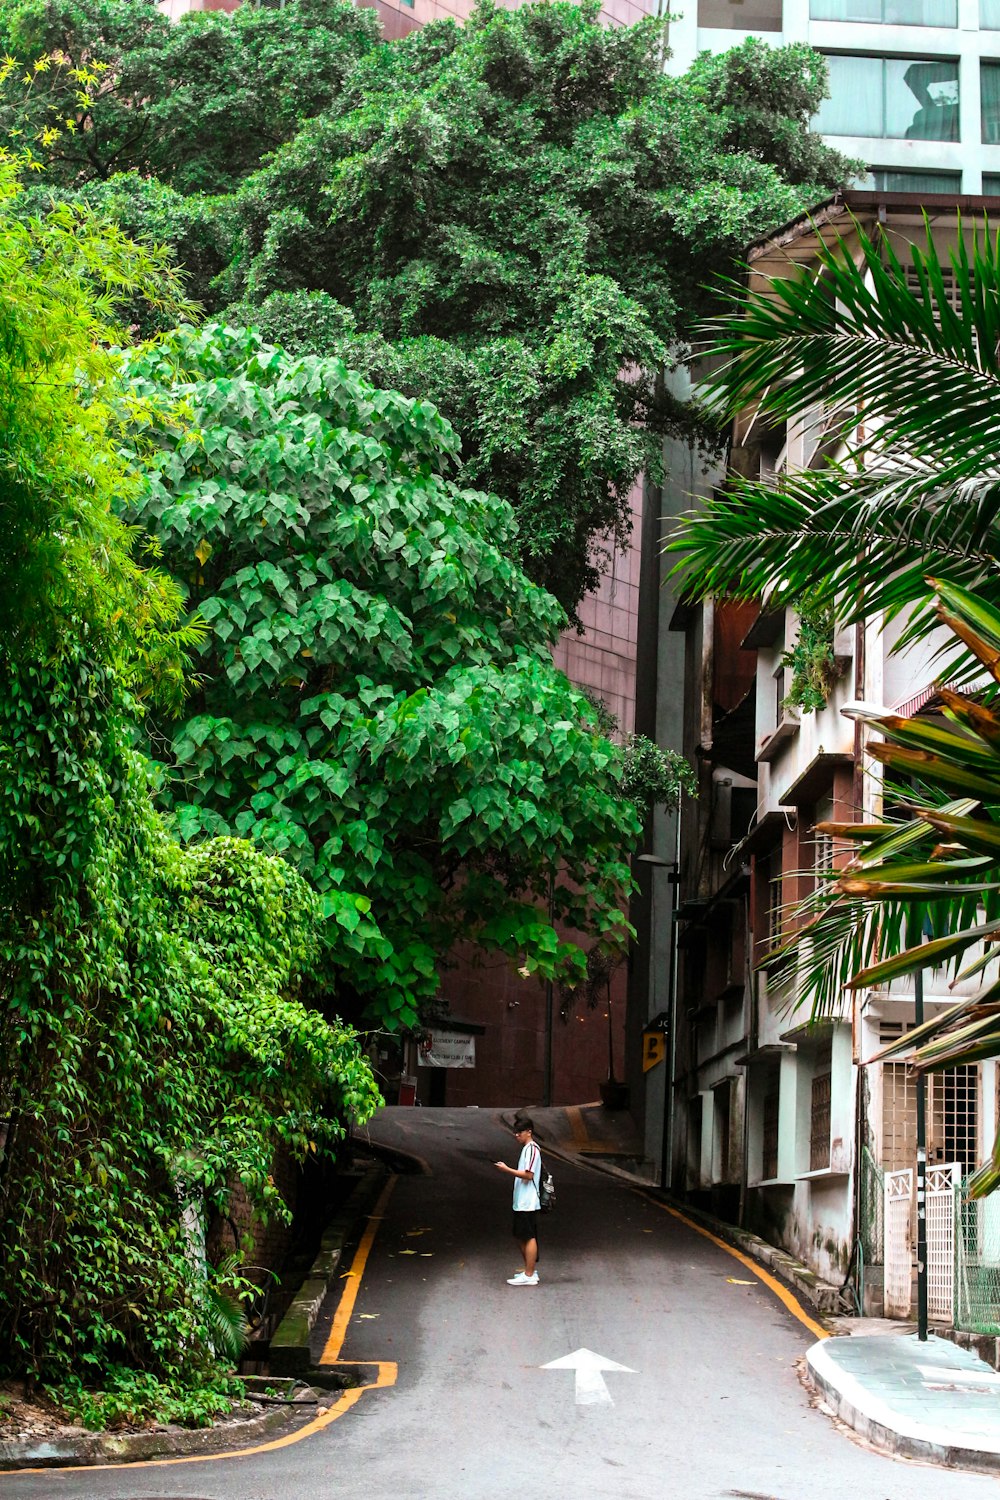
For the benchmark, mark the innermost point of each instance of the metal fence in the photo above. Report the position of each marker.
(977, 1262)
(871, 1194)
(898, 1273)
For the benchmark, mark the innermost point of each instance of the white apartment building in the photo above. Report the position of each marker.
(915, 84)
(796, 1131)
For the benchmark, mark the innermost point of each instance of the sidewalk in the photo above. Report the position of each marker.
(931, 1401)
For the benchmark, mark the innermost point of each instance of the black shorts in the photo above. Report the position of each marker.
(525, 1225)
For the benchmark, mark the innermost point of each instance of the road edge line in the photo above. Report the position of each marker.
(345, 1307)
(387, 1373)
(788, 1298)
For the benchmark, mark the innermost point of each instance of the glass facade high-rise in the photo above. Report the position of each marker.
(914, 84)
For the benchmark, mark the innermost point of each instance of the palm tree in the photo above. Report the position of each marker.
(911, 385)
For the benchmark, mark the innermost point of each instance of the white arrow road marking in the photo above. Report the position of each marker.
(590, 1387)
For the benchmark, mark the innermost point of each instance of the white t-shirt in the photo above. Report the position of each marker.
(526, 1193)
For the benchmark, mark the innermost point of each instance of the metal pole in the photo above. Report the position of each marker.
(547, 1084)
(666, 1139)
(918, 1014)
(547, 1079)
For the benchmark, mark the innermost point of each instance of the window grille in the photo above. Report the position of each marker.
(952, 1116)
(960, 1117)
(694, 1142)
(823, 854)
(769, 1160)
(951, 288)
(723, 1128)
(819, 1119)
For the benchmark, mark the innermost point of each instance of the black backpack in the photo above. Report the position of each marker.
(546, 1191)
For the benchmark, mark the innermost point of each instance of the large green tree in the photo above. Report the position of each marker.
(195, 103)
(519, 216)
(514, 218)
(377, 700)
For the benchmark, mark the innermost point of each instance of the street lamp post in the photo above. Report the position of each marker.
(918, 1016)
(547, 1065)
(666, 1129)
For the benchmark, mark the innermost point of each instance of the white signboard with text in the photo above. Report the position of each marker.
(441, 1048)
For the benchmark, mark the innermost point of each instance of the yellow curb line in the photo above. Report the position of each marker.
(387, 1371)
(579, 1129)
(345, 1307)
(781, 1292)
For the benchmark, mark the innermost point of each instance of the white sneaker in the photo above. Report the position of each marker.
(522, 1280)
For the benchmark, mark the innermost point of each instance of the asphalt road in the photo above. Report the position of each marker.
(712, 1409)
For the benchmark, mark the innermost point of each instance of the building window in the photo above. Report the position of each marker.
(991, 186)
(952, 1116)
(888, 180)
(740, 15)
(888, 12)
(695, 1125)
(989, 15)
(892, 98)
(819, 1115)
(723, 1126)
(949, 285)
(989, 95)
(769, 1158)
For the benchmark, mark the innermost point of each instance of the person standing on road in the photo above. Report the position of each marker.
(527, 1178)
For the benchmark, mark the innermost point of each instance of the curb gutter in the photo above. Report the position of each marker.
(290, 1352)
(822, 1295)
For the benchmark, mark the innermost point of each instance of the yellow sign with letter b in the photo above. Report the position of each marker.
(654, 1046)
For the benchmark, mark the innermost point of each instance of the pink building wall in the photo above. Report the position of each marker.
(398, 17)
(602, 659)
(510, 1055)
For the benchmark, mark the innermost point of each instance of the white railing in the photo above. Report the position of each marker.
(898, 1246)
(941, 1184)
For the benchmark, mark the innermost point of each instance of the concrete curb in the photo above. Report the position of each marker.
(985, 1345)
(289, 1352)
(888, 1430)
(132, 1447)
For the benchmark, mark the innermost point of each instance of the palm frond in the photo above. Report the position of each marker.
(911, 383)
